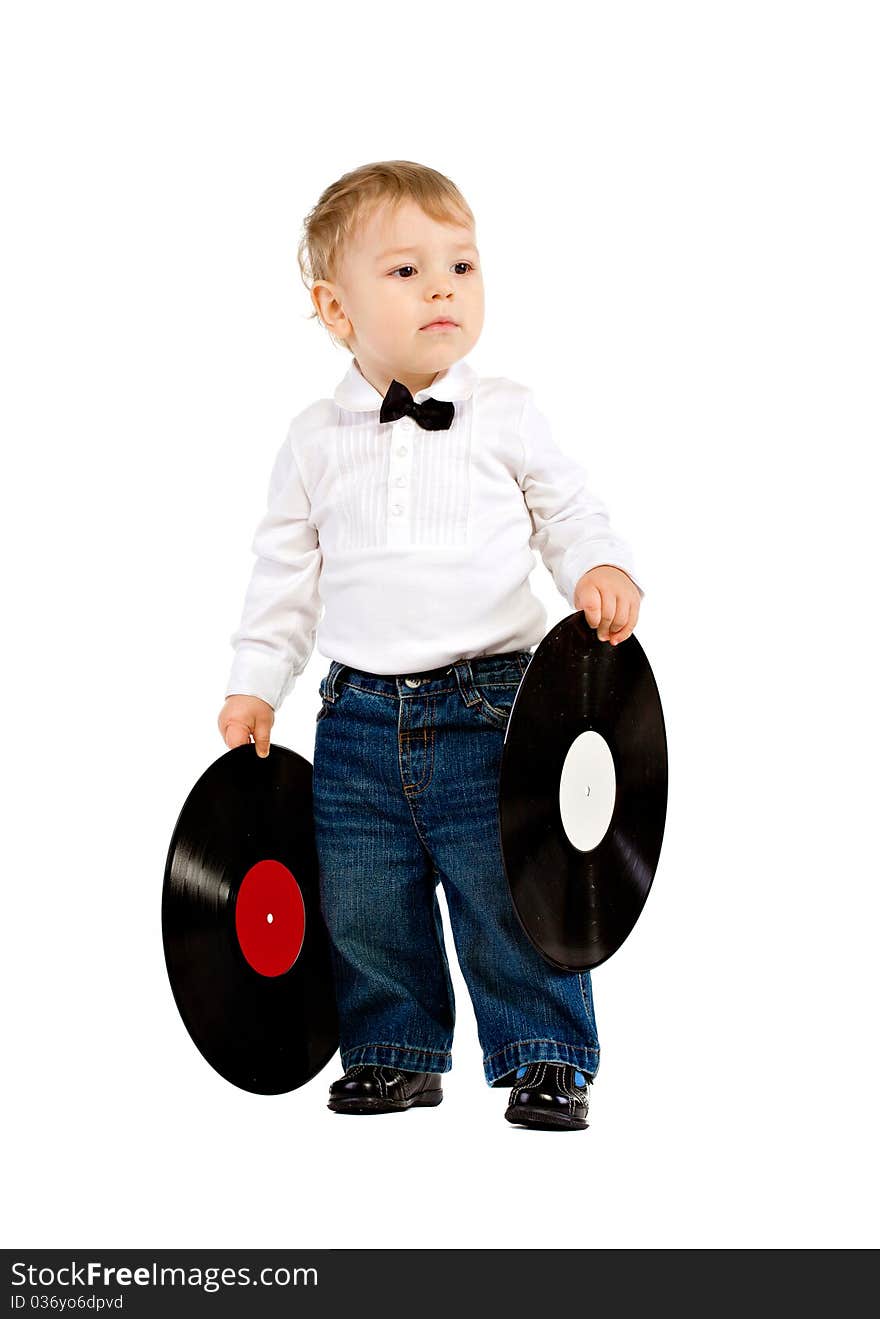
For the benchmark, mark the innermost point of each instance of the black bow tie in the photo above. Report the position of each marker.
(433, 415)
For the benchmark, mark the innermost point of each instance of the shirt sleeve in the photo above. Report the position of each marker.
(276, 634)
(570, 524)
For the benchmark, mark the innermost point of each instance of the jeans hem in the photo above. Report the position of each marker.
(398, 1055)
(500, 1064)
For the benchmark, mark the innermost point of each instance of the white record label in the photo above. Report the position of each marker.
(587, 789)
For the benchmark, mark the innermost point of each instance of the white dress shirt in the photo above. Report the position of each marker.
(406, 549)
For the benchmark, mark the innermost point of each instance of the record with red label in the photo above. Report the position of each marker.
(582, 794)
(245, 945)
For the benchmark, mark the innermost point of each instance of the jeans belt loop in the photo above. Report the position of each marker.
(466, 685)
(330, 692)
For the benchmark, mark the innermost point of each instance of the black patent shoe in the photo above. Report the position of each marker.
(369, 1088)
(551, 1097)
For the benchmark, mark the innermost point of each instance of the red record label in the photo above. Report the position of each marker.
(270, 918)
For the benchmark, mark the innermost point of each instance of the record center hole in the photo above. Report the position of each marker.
(269, 917)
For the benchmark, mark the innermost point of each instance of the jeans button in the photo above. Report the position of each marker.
(413, 682)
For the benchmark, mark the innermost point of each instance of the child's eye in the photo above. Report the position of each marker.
(458, 263)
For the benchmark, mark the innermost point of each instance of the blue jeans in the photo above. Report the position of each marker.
(405, 785)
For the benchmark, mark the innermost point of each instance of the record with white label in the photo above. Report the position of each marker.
(582, 795)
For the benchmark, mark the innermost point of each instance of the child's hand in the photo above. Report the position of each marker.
(243, 717)
(610, 600)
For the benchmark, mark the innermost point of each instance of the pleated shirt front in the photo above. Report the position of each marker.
(396, 549)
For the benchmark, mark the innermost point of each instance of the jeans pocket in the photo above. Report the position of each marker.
(495, 704)
(339, 690)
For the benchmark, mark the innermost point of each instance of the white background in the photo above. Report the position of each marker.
(677, 210)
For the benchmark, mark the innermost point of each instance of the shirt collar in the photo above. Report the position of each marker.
(355, 393)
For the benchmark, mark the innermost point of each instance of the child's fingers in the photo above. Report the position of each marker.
(620, 624)
(237, 734)
(261, 736)
(609, 613)
(590, 601)
(628, 627)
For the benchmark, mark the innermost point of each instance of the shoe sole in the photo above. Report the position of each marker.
(540, 1120)
(427, 1099)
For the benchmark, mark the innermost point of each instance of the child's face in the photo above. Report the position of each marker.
(400, 271)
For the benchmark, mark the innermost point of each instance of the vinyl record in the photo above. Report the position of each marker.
(582, 795)
(245, 945)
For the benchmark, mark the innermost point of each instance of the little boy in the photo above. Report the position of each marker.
(408, 506)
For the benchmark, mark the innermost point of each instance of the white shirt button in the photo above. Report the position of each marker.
(402, 451)
(397, 510)
(401, 480)
(406, 423)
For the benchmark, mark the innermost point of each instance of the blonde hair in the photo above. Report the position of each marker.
(343, 205)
